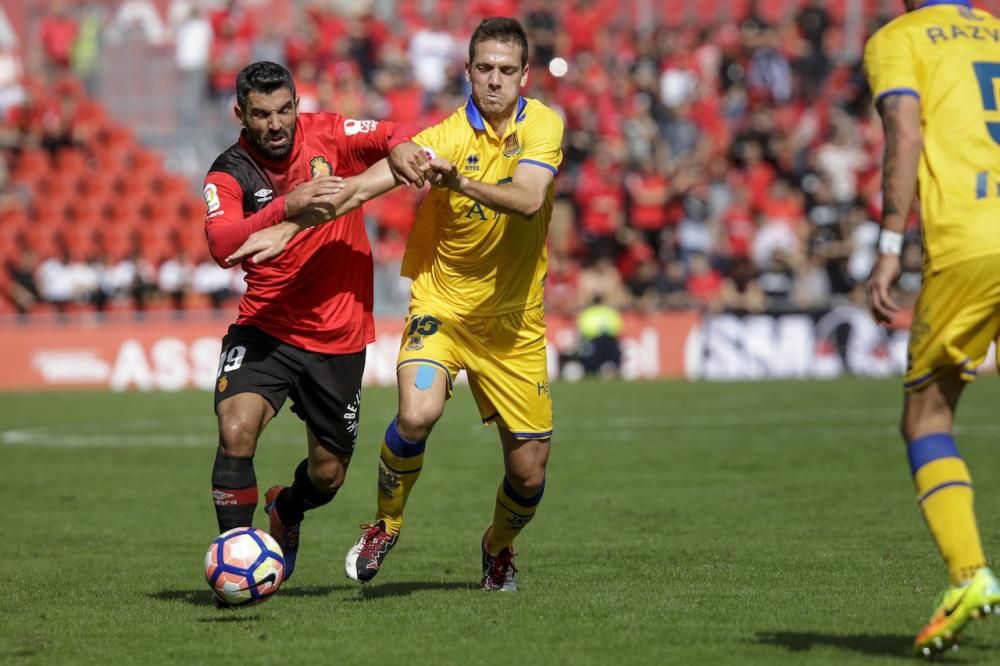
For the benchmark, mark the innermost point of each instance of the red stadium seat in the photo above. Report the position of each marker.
(70, 160)
(31, 166)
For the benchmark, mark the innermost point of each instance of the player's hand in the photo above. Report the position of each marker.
(316, 191)
(443, 173)
(883, 309)
(408, 162)
(266, 243)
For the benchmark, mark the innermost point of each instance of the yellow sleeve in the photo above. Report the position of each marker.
(890, 64)
(439, 139)
(542, 138)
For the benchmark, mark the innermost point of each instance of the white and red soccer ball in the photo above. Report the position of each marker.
(244, 566)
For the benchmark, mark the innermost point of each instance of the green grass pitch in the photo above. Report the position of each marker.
(683, 523)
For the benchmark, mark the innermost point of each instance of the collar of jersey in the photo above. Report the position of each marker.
(931, 3)
(476, 117)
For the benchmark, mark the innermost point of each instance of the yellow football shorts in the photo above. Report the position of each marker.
(956, 318)
(503, 356)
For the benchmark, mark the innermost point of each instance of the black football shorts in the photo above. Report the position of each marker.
(325, 388)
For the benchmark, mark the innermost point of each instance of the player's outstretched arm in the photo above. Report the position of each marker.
(270, 242)
(523, 195)
(903, 144)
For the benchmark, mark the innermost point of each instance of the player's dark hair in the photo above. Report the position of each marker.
(262, 77)
(500, 29)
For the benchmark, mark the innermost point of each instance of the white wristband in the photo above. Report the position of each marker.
(890, 242)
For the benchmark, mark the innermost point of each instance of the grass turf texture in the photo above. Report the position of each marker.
(769, 523)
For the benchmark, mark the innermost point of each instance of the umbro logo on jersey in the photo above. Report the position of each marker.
(263, 195)
(472, 163)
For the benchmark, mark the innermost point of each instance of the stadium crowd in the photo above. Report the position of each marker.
(726, 165)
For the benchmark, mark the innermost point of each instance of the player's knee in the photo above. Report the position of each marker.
(527, 479)
(237, 437)
(329, 476)
(415, 424)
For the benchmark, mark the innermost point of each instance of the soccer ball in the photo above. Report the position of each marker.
(244, 566)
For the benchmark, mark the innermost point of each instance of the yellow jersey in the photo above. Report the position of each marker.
(464, 256)
(947, 55)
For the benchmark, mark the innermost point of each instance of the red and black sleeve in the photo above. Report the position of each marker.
(226, 225)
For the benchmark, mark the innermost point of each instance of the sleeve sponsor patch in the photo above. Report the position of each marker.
(352, 127)
(212, 198)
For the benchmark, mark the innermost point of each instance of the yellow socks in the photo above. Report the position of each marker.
(398, 468)
(944, 492)
(511, 514)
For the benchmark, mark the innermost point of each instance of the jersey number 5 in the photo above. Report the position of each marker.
(987, 73)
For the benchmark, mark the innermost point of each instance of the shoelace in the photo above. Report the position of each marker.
(498, 572)
(373, 540)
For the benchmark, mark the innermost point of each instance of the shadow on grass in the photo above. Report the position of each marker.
(204, 597)
(405, 589)
(883, 645)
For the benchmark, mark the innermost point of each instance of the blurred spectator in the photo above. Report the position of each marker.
(704, 283)
(741, 291)
(12, 93)
(192, 47)
(176, 278)
(56, 33)
(55, 279)
(600, 328)
(601, 280)
(435, 54)
(213, 281)
(841, 157)
(541, 22)
(769, 75)
(86, 53)
(133, 276)
(24, 293)
(137, 19)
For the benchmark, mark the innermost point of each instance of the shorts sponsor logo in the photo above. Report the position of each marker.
(212, 198)
(351, 415)
(319, 166)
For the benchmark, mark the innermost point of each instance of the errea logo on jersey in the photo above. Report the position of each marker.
(352, 127)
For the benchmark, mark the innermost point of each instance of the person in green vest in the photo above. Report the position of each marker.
(600, 328)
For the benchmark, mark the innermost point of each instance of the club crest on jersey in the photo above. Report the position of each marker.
(415, 343)
(318, 166)
(512, 146)
(472, 163)
(223, 384)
